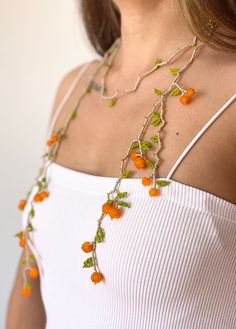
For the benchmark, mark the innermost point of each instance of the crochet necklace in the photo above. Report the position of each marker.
(137, 151)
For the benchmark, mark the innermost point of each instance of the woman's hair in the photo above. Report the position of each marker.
(212, 21)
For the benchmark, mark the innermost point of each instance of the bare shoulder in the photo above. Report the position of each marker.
(65, 84)
(228, 83)
(226, 66)
(223, 76)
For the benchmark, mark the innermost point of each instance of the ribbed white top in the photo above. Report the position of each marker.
(169, 262)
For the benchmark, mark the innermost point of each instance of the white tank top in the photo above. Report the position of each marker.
(170, 263)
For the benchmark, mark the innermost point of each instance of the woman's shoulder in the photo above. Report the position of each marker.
(67, 81)
(222, 76)
(225, 85)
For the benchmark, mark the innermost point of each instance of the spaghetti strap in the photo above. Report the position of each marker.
(200, 133)
(66, 97)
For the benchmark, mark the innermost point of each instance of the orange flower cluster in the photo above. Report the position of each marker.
(138, 160)
(37, 198)
(139, 163)
(53, 140)
(40, 196)
(33, 274)
(31, 271)
(187, 96)
(22, 204)
(111, 210)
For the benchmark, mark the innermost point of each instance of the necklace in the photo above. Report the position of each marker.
(115, 200)
(108, 61)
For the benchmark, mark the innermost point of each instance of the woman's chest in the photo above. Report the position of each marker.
(99, 139)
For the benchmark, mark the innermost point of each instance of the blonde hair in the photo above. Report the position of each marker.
(214, 18)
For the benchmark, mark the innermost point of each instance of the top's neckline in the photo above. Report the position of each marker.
(177, 192)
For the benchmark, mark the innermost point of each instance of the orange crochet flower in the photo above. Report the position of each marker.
(185, 99)
(33, 273)
(153, 191)
(146, 181)
(106, 207)
(22, 243)
(190, 92)
(87, 246)
(38, 197)
(22, 204)
(115, 212)
(52, 140)
(97, 277)
(140, 162)
(133, 155)
(43, 195)
(25, 292)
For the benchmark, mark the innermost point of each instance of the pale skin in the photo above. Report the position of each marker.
(99, 137)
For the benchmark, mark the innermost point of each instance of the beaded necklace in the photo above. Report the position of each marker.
(108, 60)
(137, 152)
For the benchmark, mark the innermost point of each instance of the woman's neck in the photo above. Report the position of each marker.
(150, 29)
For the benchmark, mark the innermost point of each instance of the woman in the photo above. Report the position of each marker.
(168, 256)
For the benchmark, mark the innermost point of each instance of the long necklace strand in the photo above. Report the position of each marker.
(141, 76)
(114, 203)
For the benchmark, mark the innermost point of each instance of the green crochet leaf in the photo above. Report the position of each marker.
(149, 163)
(158, 92)
(157, 61)
(175, 92)
(73, 115)
(174, 71)
(155, 139)
(156, 119)
(134, 145)
(162, 182)
(126, 174)
(100, 235)
(145, 146)
(32, 257)
(111, 102)
(122, 194)
(29, 227)
(32, 212)
(88, 262)
(124, 204)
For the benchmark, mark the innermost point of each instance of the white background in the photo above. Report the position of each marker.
(40, 42)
